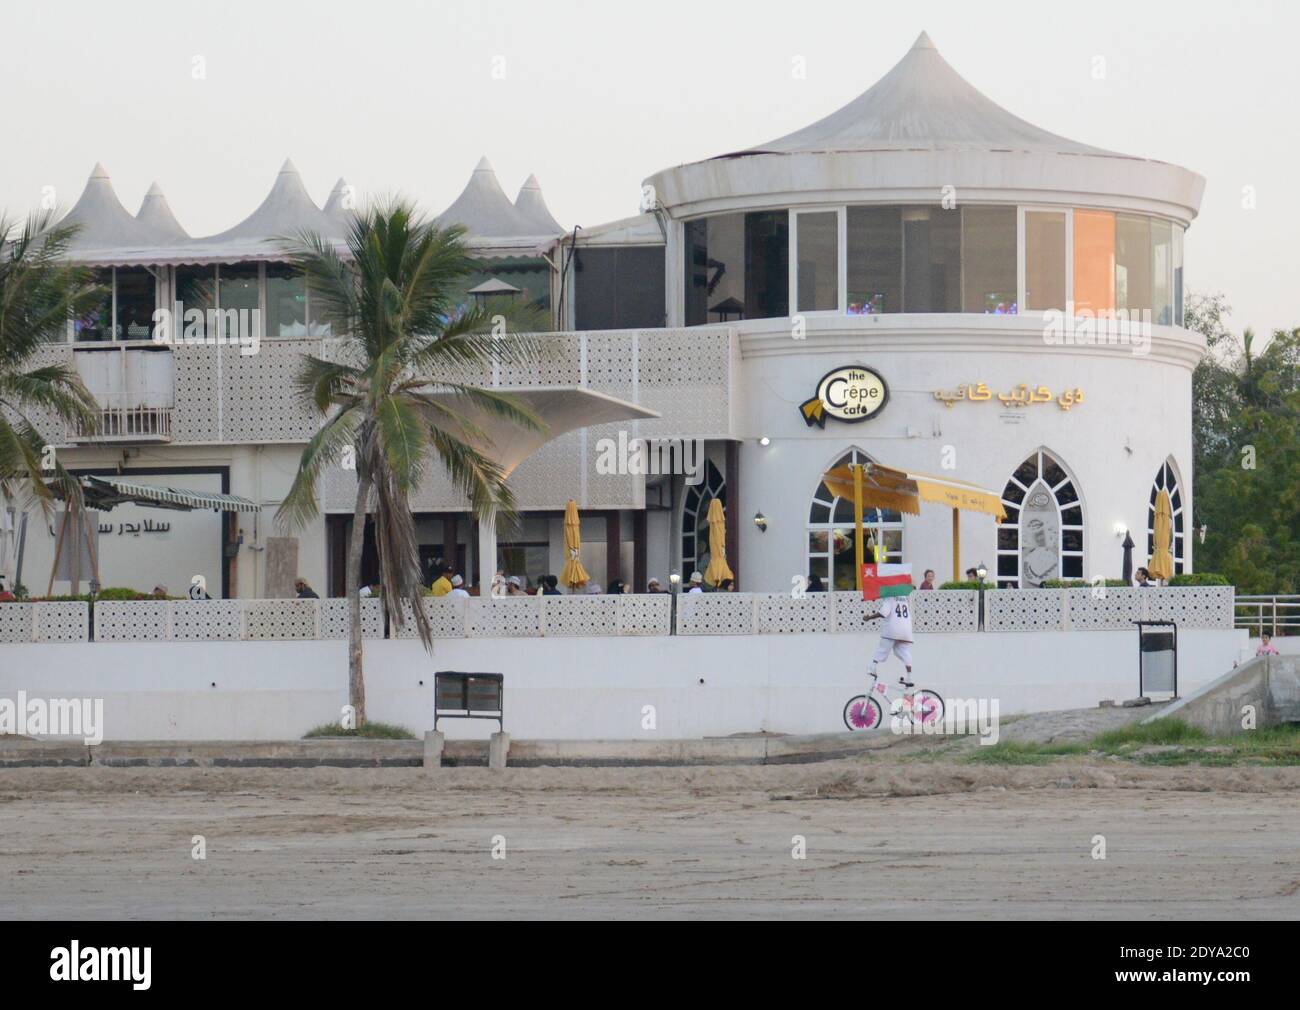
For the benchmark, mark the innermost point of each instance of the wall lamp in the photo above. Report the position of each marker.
(760, 521)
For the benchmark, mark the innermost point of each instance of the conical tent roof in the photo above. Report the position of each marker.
(485, 212)
(531, 206)
(156, 215)
(923, 104)
(286, 212)
(334, 203)
(102, 222)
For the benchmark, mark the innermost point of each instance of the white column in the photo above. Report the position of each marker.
(487, 552)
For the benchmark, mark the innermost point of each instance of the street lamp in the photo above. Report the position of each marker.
(675, 587)
(981, 572)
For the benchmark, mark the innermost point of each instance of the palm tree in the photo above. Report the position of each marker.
(393, 396)
(39, 291)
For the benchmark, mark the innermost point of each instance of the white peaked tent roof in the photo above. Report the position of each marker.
(156, 214)
(102, 222)
(334, 203)
(491, 220)
(531, 206)
(494, 286)
(923, 104)
(287, 212)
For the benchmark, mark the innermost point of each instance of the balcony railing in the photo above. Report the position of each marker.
(121, 418)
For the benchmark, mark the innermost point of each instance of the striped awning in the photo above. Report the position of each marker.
(104, 493)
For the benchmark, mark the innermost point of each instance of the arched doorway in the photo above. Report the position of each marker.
(1042, 537)
(695, 519)
(830, 531)
(1167, 480)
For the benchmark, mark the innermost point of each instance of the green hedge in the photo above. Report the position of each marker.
(1082, 583)
(964, 585)
(1199, 579)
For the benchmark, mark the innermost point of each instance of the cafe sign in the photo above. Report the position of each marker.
(851, 394)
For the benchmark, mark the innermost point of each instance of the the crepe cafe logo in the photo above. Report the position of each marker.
(852, 393)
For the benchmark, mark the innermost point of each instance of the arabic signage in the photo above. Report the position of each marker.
(1020, 396)
(142, 547)
(850, 394)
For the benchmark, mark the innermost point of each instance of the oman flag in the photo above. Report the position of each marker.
(879, 581)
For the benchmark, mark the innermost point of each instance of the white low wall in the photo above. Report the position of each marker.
(581, 687)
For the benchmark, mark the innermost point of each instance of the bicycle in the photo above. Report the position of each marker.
(921, 707)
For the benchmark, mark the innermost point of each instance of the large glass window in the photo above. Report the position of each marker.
(96, 322)
(818, 238)
(737, 267)
(620, 288)
(1045, 260)
(286, 301)
(136, 293)
(237, 298)
(875, 255)
(1162, 273)
(1133, 264)
(988, 254)
(931, 260)
(196, 289)
(1094, 261)
(1178, 276)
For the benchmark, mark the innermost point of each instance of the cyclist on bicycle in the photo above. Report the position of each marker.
(895, 634)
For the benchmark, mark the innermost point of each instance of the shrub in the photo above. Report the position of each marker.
(123, 593)
(1199, 579)
(1083, 584)
(369, 731)
(964, 585)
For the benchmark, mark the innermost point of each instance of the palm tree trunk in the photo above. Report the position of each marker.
(356, 541)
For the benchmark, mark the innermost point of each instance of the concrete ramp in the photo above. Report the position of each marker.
(1269, 684)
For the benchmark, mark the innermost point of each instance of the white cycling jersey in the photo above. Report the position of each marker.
(897, 612)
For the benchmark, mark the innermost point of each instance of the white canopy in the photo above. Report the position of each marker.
(924, 104)
(101, 220)
(156, 214)
(495, 226)
(532, 208)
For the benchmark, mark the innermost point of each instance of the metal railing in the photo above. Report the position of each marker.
(120, 420)
(1277, 614)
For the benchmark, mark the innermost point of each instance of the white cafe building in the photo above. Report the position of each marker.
(919, 278)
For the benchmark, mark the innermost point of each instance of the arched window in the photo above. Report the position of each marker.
(830, 532)
(695, 519)
(1042, 537)
(1167, 480)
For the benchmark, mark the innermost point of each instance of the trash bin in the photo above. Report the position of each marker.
(1157, 657)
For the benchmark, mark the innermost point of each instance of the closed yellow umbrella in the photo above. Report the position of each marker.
(1161, 565)
(574, 575)
(718, 569)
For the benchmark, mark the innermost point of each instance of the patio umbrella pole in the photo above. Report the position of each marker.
(857, 526)
(956, 546)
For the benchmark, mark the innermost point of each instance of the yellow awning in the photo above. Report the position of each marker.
(903, 490)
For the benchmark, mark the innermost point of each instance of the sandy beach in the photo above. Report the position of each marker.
(883, 835)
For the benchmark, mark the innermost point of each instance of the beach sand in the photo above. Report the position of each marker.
(883, 835)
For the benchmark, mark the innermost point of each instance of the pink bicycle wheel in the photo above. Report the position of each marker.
(862, 712)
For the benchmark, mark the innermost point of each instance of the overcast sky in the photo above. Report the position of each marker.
(595, 95)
